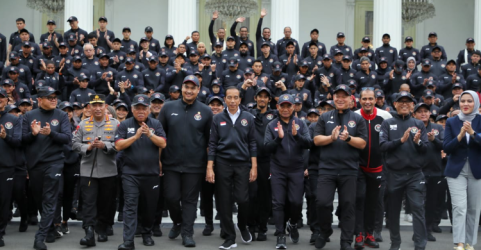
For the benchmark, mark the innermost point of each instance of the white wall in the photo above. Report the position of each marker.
(11, 10)
(454, 22)
(137, 15)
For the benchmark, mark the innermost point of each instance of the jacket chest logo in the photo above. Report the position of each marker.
(351, 124)
(377, 127)
(270, 116)
(414, 130)
(198, 117)
(54, 122)
(244, 122)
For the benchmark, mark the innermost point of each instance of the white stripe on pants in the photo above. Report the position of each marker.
(466, 203)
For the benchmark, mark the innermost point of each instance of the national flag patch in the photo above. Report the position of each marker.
(223, 123)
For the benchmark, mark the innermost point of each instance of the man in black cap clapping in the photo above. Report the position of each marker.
(154, 77)
(79, 34)
(141, 139)
(400, 136)
(52, 37)
(105, 37)
(44, 132)
(82, 94)
(232, 76)
(420, 79)
(464, 55)
(268, 58)
(314, 39)
(448, 78)
(471, 67)
(98, 170)
(394, 79)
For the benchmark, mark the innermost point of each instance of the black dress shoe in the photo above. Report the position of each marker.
(110, 231)
(39, 245)
(431, 237)
(102, 238)
(23, 226)
(147, 240)
(187, 241)
(175, 231)
(436, 229)
(320, 242)
(156, 230)
(208, 229)
(126, 246)
(89, 239)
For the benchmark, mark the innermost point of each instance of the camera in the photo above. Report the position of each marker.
(109, 75)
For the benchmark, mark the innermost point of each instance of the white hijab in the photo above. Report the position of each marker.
(469, 117)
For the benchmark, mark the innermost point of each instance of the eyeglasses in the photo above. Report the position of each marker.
(367, 88)
(51, 98)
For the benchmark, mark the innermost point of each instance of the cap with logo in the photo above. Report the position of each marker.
(132, 51)
(408, 38)
(24, 101)
(440, 117)
(420, 105)
(11, 107)
(163, 54)
(97, 98)
(77, 58)
(326, 57)
(72, 38)
(292, 43)
(346, 58)
(436, 47)
(62, 44)
(313, 111)
(117, 40)
(129, 60)
(379, 93)
(193, 53)
(248, 71)
(102, 18)
(214, 98)
(470, 40)
(141, 90)
(153, 59)
(51, 22)
(157, 96)
(299, 77)
(386, 34)
(426, 62)
(304, 63)
(366, 39)
(174, 88)
(83, 77)
(77, 104)
(427, 93)
(403, 94)
(218, 44)
(265, 44)
(149, 29)
(26, 44)
(216, 82)
(340, 34)
(141, 100)
(64, 105)
(13, 69)
(277, 67)
(144, 39)
(46, 91)
(14, 54)
(342, 87)
(192, 79)
(71, 19)
(430, 83)
(297, 100)
(232, 62)
(3, 93)
(362, 50)
(399, 64)
(126, 28)
(457, 85)
(46, 46)
(352, 83)
(432, 34)
(286, 98)
(205, 56)
(121, 104)
(451, 61)
(104, 55)
(230, 38)
(263, 89)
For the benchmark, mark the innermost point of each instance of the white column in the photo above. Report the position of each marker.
(182, 19)
(477, 22)
(83, 10)
(349, 31)
(285, 13)
(388, 19)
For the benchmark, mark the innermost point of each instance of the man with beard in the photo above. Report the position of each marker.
(245, 59)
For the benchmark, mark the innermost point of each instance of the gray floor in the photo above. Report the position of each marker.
(16, 240)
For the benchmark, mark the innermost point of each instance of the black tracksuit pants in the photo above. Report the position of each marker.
(66, 192)
(380, 205)
(6, 187)
(97, 202)
(326, 188)
(207, 201)
(232, 184)
(260, 198)
(290, 186)
(19, 194)
(367, 196)
(160, 202)
(311, 194)
(44, 183)
(433, 206)
(414, 186)
(181, 191)
(139, 191)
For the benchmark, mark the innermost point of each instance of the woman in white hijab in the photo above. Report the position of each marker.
(462, 144)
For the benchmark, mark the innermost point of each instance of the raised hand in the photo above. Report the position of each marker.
(3, 132)
(280, 131)
(263, 13)
(215, 15)
(45, 130)
(240, 20)
(406, 135)
(294, 129)
(35, 126)
(335, 133)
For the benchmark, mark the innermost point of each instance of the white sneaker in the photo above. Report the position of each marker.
(458, 248)
(408, 218)
(468, 247)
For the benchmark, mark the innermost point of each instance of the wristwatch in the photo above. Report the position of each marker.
(419, 143)
(348, 139)
(151, 134)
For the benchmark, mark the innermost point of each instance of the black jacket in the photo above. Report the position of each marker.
(262, 120)
(41, 149)
(287, 154)
(10, 146)
(314, 152)
(371, 157)
(433, 162)
(407, 157)
(232, 144)
(187, 127)
(338, 157)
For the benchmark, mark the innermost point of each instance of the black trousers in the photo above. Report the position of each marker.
(207, 201)
(44, 184)
(260, 198)
(414, 186)
(232, 182)
(380, 205)
(160, 202)
(433, 206)
(367, 196)
(288, 186)
(19, 194)
(181, 191)
(66, 192)
(97, 201)
(143, 191)
(326, 188)
(6, 187)
(311, 194)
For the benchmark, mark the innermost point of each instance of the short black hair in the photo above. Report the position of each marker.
(232, 87)
(243, 28)
(257, 60)
(195, 31)
(92, 35)
(265, 28)
(367, 90)
(20, 20)
(49, 62)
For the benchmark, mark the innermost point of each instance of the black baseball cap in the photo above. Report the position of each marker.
(117, 40)
(440, 117)
(248, 71)
(102, 18)
(144, 39)
(451, 61)
(46, 91)
(175, 88)
(277, 67)
(23, 31)
(39, 84)
(427, 93)
(141, 90)
(72, 18)
(386, 34)
(153, 58)
(11, 107)
(129, 60)
(193, 53)
(326, 102)
(13, 69)
(299, 77)
(62, 44)
(457, 85)
(46, 46)
(77, 104)
(104, 55)
(338, 51)
(342, 87)
(216, 82)
(64, 105)
(14, 54)
(265, 44)
(379, 93)
(77, 58)
(3, 93)
(163, 53)
(326, 57)
(477, 52)
(408, 38)
(426, 62)
(72, 38)
(126, 28)
(132, 51)
(292, 43)
(304, 63)
(362, 50)
(121, 104)
(432, 34)
(169, 36)
(297, 100)
(197, 73)
(8, 82)
(346, 58)
(213, 98)
(23, 101)
(218, 44)
(399, 64)
(420, 105)
(352, 82)
(232, 62)
(192, 79)
(366, 39)
(404, 94)
(244, 43)
(315, 30)
(51, 22)
(230, 38)
(157, 96)
(470, 40)
(286, 98)
(313, 111)
(141, 100)
(206, 55)
(149, 29)
(261, 89)
(340, 34)
(83, 77)
(430, 83)
(436, 47)
(26, 44)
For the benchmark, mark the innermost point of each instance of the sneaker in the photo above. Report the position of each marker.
(313, 238)
(246, 236)
(147, 240)
(51, 236)
(370, 241)
(39, 245)
(468, 247)
(156, 230)
(395, 247)
(208, 229)
(281, 242)
(262, 236)
(320, 242)
(187, 241)
(64, 228)
(175, 231)
(359, 243)
(58, 231)
(378, 236)
(228, 244)
(459, 248)
(293, 232)
(408, 218)
(431, 237)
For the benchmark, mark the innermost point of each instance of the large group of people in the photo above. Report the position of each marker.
(92, 124)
